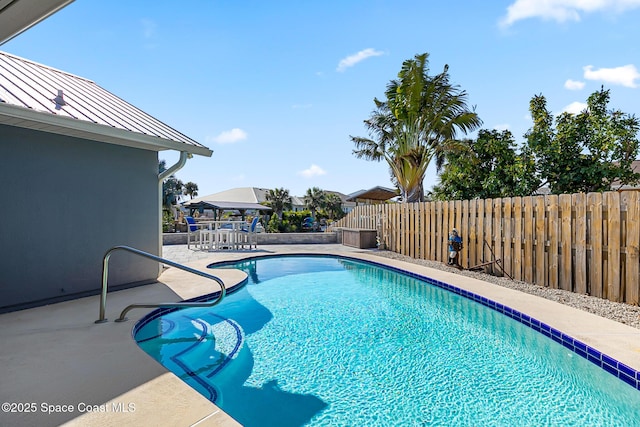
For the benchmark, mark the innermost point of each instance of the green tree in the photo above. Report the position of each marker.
(333, 206)
(487, 167)
(419, 121)
(314, 199)
(172, 187)
(587, 151)
(279, 200)
(191, 189)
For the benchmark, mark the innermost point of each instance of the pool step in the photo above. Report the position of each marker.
(197, 349)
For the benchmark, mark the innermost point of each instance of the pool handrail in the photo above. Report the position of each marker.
(122, 318)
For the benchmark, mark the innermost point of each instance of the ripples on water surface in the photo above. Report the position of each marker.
(323, 341)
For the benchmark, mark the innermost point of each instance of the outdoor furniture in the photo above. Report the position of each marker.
(359, 238)
(194, 232)
(247, 235)
(220, 235)
(225, 238)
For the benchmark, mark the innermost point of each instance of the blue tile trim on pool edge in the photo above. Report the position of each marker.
(609, 364)
(619, 369)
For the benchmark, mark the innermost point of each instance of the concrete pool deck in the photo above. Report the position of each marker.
(62, 367)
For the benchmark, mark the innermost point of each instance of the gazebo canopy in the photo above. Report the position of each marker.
(373, 194)
(241, 206)
(218, 206)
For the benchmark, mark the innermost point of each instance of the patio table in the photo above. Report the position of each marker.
(222, 234)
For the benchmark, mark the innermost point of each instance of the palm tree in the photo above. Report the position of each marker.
(279, 200)
(191, 189)
(419, 121)
(333, 206)
(172, 188)
(314, 199)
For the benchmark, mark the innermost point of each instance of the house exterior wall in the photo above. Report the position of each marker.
(66, 202)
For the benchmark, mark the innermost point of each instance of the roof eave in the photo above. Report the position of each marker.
(35, 120)
(18, 16)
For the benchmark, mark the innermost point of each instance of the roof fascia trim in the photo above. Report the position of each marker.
(31, 119)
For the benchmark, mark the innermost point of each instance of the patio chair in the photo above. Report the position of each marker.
(194, 233)
(248, 234)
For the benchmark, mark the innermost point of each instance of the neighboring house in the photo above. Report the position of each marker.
(347, 205)
(616, 186)
(259, 195)
(81, 166)
(298, 204)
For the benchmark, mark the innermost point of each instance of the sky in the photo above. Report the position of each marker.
(275, 88)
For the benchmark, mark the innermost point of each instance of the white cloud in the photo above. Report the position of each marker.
(625, 76)
(352, 60)
(562, 10)
(502, 126)
(314, 170)
(574, 108)
(573, 85)
(230, 136)
(148, 28)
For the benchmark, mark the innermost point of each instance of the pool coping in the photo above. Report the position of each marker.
(162, 397)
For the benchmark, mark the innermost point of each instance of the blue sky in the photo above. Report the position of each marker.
(275, 88)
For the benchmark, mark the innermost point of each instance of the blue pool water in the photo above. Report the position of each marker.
(331, 341)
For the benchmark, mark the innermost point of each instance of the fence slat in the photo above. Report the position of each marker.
(580, 273)
(488, 234)
(632, 273)
(527, 262)
(497, 232)
(565, 241)
(507, 237)
(473, 257)
(517, 243)
(432, 235)
(438, 234)
(553, 230)
(412, 230)
(445, 231)
(613, 246)
(540, 275)
(596, 284)
(480, 232)
(464, 233)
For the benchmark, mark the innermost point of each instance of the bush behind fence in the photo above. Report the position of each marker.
(585, 243)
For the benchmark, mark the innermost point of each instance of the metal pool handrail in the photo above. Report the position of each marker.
(122, 318)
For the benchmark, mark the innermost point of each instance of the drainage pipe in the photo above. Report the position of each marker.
(161, 177)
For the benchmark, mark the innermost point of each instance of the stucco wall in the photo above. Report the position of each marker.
(66, 202)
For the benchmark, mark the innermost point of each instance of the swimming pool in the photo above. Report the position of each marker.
(331, 341)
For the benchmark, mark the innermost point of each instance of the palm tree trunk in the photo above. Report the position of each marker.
(416, 194)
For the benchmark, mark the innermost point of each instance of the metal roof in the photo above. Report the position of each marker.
(375, 193)
(19, 15)
(240, 194)
(39, 97)
(225, 205)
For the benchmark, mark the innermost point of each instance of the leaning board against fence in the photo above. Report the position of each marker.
(585, 243)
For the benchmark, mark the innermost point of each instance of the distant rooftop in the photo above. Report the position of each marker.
(39, 97)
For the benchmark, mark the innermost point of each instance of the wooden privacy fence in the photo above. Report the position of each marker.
(585, 243)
